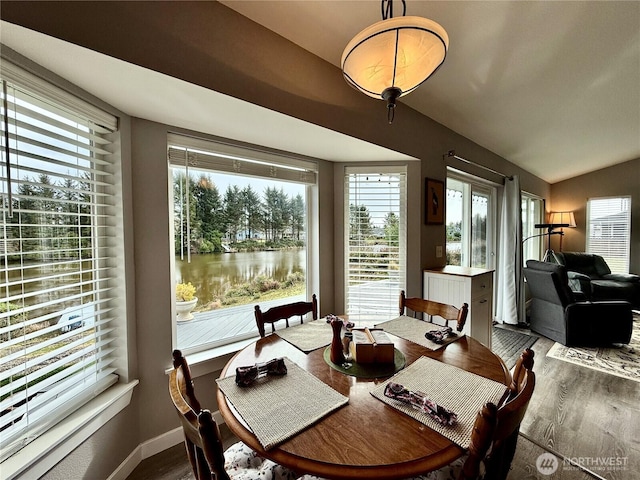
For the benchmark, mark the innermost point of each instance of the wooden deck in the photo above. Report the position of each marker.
(215, 326)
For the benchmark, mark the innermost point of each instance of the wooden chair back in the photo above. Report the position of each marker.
(201, 434)
(430, 309)
(285, 312)
(496, 429)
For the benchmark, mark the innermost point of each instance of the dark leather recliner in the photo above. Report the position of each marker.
(556, 314)
(589, 273)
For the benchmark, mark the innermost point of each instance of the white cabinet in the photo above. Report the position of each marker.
(473, 286)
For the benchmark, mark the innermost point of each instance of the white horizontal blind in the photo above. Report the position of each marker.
(43, 89)
(609, 231)
(375, 209)
(55, 323)
(208, 155)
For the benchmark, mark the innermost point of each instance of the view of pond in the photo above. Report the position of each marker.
(213, 273)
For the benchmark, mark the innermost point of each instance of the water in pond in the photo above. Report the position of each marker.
(212, 274)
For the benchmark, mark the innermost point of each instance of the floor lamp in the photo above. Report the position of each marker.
(550, 231)
(563, 219)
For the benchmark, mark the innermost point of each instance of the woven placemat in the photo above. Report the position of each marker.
(308, 336)
(458, 390)
(413, 329)
(277, 408)
(368, 370)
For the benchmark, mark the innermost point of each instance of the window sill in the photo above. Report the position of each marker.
(51, 447)
(213, 359)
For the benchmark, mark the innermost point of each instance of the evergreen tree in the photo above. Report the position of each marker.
(233, 211)
(359, 221)
(285, 207)
(69, 236)
(391, 228)
(253, 211)
(297, 216)
(209, 211)
(25, 217)
(272, 216)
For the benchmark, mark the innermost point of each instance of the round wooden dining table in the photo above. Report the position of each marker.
(365, 438)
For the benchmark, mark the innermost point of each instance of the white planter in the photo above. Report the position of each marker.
(183, 309)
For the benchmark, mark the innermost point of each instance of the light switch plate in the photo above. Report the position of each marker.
(439, 251)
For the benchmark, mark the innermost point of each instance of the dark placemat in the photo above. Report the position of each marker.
(369, 370)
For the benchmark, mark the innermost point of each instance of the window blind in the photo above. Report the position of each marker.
(375, 209)
(241, 160)
(609, 231)
(57, 188)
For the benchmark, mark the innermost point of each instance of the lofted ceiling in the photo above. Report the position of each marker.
(102, 76)
(551, 86)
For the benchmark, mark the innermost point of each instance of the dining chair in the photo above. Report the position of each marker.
(498, 434)
(495, 433)
(285, 312)
(203, 442)
(432, 309)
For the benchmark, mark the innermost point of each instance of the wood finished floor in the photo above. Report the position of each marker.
(578, 412)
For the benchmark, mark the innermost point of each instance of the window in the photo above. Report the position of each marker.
(470, 222)
(609, 231)
(61, 247)
(241, 230)
(375, 206)
(532, 211)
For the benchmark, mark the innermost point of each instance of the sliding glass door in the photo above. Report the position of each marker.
(470, 220)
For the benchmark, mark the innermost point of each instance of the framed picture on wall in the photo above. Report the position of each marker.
(434, 201)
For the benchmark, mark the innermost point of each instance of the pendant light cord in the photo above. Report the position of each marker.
(386, 7)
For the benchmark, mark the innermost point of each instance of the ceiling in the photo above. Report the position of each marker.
(102, 76)
(553, 87)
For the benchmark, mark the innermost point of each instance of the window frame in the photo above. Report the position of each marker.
(368, 319)
(227, 157)
(532, 238)
(619, 263)
(103, 395)
(475, 184)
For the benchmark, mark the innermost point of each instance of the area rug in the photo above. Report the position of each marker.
(509, 344)
(622, 361)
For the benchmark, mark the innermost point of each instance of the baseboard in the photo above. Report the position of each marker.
(150, 448)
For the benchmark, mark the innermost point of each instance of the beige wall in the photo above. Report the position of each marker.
(572, 195)
(197, 41)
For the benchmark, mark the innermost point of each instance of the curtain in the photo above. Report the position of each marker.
(510, 297)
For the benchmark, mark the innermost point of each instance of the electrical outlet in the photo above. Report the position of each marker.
(439, 251)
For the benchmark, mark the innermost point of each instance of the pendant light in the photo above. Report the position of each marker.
(393, 57)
